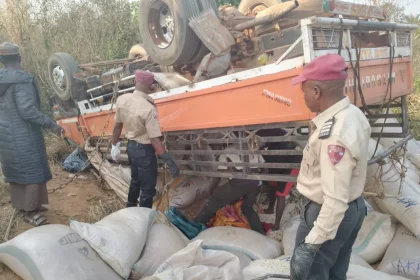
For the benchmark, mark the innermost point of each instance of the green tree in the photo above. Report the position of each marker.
(231, 2)
(414, 19)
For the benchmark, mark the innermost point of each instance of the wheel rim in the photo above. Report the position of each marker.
(161, 24)
(257, 7)
(59, 77)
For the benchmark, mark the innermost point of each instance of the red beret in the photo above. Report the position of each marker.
(324, 68)
(144, 77)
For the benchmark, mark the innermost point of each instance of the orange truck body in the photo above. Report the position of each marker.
(263, 99)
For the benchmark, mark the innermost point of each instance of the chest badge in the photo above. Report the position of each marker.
(326, 129)
(335, 153)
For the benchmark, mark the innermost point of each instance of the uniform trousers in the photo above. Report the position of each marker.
(144, 172)
(333, 258)
(230, 193)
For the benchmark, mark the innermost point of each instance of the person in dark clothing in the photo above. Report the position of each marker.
(233, 191)
(278, 191)
(23, 154)
(138, 114)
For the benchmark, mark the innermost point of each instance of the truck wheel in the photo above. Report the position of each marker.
(249, 6)
(61, 68)
(203, 6)
(164, 28)
(137, 51)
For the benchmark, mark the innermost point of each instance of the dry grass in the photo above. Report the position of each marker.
(57, 149)
(103, 207)
(414, 114)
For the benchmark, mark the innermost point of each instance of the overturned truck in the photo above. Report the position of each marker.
(223, 77)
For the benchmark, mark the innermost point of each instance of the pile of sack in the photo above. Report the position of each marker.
(137, 243)
(133, 243)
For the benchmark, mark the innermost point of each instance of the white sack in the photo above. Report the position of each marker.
(391, 169)
(194, 262)
(261, 268)
(289, 236)
(405, 209)
(357, 260)
(374, 237)
(282, 266)
(357, 272)
(412, 146)
(120, 237)
(403, 255)
(251, 243)
(412, 172)
(244, 260)
(161, 243)
(189, 190)
(372, 170)
(415, 159)
(54, 252)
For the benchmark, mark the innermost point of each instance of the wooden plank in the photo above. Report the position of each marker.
(345, 8)
(300, 124)
(231, 152)
(386, 125)
(239, 164)
(105, 63)
(237, 140)
(382, 116)
(388, 135)
(255, 177)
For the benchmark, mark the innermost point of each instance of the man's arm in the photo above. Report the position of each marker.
(158, 145)
(337, 163)
(26, 105)
(153, 130)
(116, 133)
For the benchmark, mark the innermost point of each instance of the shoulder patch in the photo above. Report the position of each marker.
(335, 153)
(155, 115)
(326, 129)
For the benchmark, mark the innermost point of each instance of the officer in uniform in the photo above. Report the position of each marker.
(332, 174)
(138, 114)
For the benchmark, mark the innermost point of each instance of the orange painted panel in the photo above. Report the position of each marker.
(271, 98)
(72, 127)
(95, 123)
(374, 79)
(260, 100)
(266, 99)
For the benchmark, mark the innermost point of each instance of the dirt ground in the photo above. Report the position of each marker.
(84, 199)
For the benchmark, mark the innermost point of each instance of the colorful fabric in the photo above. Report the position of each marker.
(231, 215)
(189, 228)
(288, 187)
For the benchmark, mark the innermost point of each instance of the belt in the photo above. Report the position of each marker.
(137, 144)
(357, 200)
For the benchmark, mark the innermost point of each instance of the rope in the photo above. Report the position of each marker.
(340, 43)
(106, 124)
(254, 141)
(388, 89)
(395, 164)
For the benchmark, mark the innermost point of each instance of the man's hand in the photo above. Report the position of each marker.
(59, 131)
(173, 168)
(302, 260)
(116, 152)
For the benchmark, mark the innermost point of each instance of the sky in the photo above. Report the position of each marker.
(413, 7)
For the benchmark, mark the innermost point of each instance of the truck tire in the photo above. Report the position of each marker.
(247, 6)
(61, 68)
(203, 6)
(137, 51)
(164, 28)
